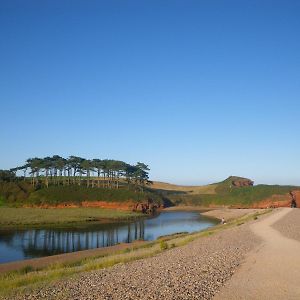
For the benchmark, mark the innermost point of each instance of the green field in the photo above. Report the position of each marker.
(14, 217)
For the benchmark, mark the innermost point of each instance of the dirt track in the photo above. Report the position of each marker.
(272, 271)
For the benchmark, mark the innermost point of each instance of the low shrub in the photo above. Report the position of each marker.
(163, 245)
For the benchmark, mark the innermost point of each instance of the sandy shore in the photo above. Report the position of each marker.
(230, 214)
(187, 208)
(218, 213)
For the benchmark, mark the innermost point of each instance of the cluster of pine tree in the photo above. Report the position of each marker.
(106, 173)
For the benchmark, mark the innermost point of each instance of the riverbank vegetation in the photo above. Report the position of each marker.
(29, 278)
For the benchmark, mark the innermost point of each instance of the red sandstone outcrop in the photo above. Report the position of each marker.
(278, 201)
(242, 182)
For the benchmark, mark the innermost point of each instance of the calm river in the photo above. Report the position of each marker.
(31, 243)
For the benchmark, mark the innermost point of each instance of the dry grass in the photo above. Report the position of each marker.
(195, 190)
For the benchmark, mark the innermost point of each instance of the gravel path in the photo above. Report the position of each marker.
(289, 226)
(195, 271)
(272, 271)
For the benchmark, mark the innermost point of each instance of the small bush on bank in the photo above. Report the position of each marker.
(163, 245)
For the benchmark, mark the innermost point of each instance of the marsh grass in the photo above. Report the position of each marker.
(27, 279)
(10, 217)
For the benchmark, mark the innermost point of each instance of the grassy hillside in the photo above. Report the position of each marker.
(238, 196)
(22, 193)
(224, 193)
(77, 194)
(14, 192)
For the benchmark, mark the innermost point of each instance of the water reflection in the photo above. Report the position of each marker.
(23, 244)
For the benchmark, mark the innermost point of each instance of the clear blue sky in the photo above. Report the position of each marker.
(199, 90)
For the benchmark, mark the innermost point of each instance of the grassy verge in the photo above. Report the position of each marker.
(27, 279)
(25, 217)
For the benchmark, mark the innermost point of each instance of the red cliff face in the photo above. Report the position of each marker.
(101, 204)
(297, 197)
(278, 201)
(143, 207)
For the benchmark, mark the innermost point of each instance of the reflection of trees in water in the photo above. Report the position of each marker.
(135, 231)
(43, 242)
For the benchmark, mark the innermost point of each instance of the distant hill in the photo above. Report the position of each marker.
(234, 191)
(208, 189)
(237, 181)
(204, 189)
